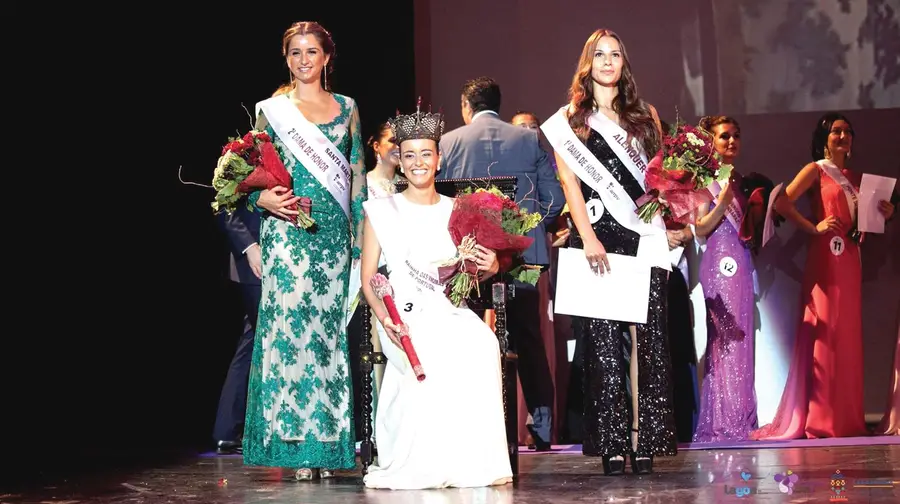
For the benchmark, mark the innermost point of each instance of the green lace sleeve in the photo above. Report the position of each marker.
(253, 200)
(358, 189)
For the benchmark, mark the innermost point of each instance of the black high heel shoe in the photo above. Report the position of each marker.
(613, 467)
(639, 463)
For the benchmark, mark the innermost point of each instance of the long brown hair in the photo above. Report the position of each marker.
(631, 109)
(322, 36)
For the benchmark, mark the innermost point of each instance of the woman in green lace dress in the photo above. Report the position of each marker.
(299, 404)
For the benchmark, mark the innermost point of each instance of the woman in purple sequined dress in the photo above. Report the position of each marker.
(728, 398)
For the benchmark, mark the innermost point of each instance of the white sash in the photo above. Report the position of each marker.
(310, 146)
(653, 246)
(734, 213)
(414, 284)
(630, 154)
(850, 192)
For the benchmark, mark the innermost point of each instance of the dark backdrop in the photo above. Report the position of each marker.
(131, 343)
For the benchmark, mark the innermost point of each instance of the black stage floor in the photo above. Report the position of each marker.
(870, 474)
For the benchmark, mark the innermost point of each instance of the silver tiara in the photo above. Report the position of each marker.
(421, 125)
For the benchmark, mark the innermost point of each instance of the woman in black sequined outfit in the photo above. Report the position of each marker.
(604, 84)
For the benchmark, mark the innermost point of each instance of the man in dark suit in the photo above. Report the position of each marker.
(245, 265)
(488, 144)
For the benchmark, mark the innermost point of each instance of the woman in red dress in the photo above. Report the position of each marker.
(823, 395)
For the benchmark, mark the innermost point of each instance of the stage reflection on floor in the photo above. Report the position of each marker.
(869, 473)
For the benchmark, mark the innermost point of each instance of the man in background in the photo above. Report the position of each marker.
(525, 119)
(245, 269)
(488, 146)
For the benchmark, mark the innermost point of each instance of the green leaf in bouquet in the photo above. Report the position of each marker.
(495, 191)
(224, 204)
(724, 172)
(529, 220)
(670, 163)
(527, 274)
(509, 221)
(231, 167)
(230, 189)
(227, 197)
(240, 167)
(219, 183)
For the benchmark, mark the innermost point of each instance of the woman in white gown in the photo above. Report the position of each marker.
(462, 391)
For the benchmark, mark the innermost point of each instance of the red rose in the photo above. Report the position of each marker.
(487, 201)
(253, 158)
(510, 204)
(236, 147)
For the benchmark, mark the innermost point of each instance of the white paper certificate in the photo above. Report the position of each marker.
(872, 189)
(622, 294)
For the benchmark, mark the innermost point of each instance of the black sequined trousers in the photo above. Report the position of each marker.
(608, 413)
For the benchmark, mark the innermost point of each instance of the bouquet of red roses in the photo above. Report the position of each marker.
(248, 164)
(486, 217)
(679, 176)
